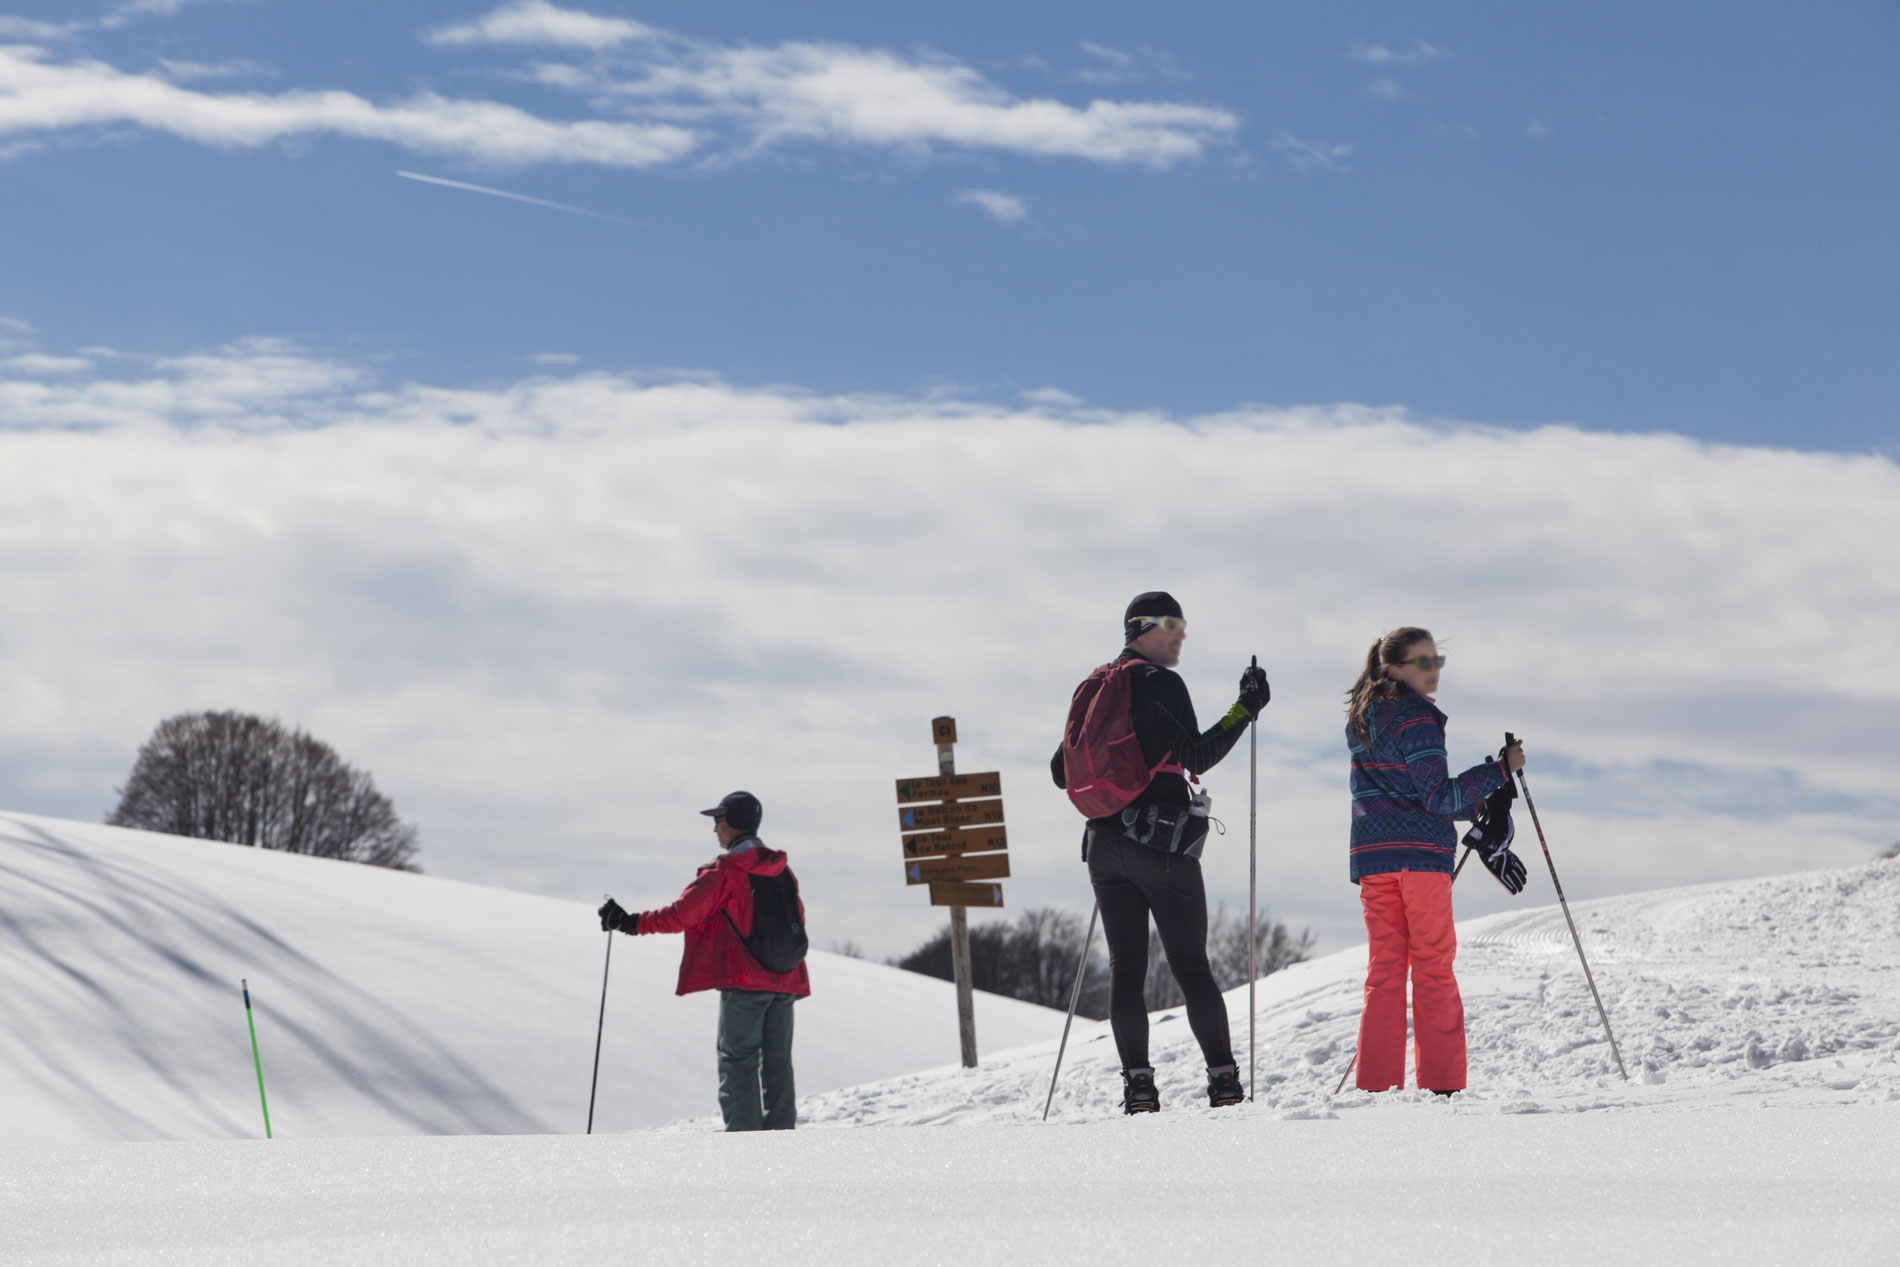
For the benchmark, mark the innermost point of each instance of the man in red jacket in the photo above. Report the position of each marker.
(755, 1003)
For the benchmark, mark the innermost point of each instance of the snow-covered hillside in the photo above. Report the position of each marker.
(386, 1003)
(1761, 1021)
(1783, 990)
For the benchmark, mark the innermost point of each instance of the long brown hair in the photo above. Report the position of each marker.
(1373, 683)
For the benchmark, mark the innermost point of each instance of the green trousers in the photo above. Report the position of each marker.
(755, 1060)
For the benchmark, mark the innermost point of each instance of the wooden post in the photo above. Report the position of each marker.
(944, 732)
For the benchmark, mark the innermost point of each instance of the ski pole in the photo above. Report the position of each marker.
(1075, 997)
(1253, 905)
(600, 1029)
(1350, 1064)
(1355, 1048)
(255, 1058)
(1602, 1015)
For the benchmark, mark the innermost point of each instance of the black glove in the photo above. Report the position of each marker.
(1254, 691)
(1491, 834)
(615, 918)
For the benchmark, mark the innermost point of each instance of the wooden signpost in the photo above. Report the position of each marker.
(945, 820)
(949, 814)
(964, 840)
(993, 866)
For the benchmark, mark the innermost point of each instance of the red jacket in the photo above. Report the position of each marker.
(715, 958)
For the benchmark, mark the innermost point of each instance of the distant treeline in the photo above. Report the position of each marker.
(1033, 958)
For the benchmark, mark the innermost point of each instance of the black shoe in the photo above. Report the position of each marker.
(1445, 1093)
(1223, 1087)
(1138, 1091)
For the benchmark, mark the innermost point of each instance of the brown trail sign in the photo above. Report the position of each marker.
(960, 895)
(989, 866)
(949, 787)
(969, 807)
(966, 840)
(950, 814)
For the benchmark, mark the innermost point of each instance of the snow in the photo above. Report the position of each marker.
(1424, 1185)
(386, 1003)
(1781, 990)
(1760, 1021)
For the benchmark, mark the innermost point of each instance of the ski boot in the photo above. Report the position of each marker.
(1223, 1086)
(1138, 1091)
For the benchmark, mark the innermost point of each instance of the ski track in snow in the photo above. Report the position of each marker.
(1776, 991)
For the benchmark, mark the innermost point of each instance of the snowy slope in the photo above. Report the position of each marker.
(1762, 1021)
(1783, 990)
(386, 1003)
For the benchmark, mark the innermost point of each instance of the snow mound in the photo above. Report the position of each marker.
(1784, 990)
(386, 1003)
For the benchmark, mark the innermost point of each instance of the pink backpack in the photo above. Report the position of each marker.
(1102, 765)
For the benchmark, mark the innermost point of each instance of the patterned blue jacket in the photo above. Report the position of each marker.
(1404, 799)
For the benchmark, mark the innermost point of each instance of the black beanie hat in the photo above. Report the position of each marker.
(1135, 620)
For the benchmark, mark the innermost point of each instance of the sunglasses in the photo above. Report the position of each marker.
(1422, 663)
(1173, 624)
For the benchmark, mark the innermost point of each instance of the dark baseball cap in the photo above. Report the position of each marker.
(740, 809)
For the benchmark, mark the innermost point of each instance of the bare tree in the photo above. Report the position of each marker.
(1033, 959)
(250, 781)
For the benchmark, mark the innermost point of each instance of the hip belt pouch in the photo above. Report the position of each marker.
(1178, 829)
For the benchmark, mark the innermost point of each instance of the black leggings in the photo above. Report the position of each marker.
(1131, 880)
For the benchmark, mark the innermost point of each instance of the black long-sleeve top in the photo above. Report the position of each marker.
(1164, 722)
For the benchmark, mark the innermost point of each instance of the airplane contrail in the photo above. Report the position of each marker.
(503, 193)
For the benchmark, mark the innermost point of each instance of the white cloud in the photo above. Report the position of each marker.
(1537, 129)
(12, 28)
(841, 94)
(1113, 56)
(1116, 65)
(1312, 155)
(537, 22)
(38, 96)
(554, 615)
(1001, 206)
(1385, 89)
(153, 8)
(680, 97)
(17, 28)
(554, 358)
(14, 334)
(36, 363)
(237, 68)
(1054, 397)
(1418, 54)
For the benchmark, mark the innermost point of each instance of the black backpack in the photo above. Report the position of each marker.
(778, 938)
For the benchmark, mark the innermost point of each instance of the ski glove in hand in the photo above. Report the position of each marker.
(1254, 691)
(1491, 834)
(615, 918)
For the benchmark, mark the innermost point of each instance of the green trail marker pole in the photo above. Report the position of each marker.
(255, 1059)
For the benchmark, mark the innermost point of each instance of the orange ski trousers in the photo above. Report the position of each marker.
(1408, 927)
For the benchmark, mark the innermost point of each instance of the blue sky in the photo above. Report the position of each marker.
(898, 350)
(1627, 217)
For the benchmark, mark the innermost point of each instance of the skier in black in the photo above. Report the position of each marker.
(1146, 859)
